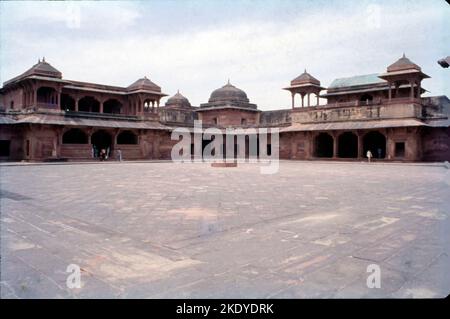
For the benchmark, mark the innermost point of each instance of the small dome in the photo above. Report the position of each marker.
(178, 100)
(305, 78)
(228, 93)
(144, 84)
(403, 64)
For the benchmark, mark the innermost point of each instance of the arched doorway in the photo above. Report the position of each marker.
(376, 143)
(348, 145)
(67, 103)
(366, 99)
(112, 106)
(47, 95)
(88, 104)
(74, 136)
(127, 137)
(101, 140)
(324, 145)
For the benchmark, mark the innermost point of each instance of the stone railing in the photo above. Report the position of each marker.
(395, 109)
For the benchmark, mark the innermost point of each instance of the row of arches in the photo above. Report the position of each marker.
(347, 145)
(100, 139)
(91, 104)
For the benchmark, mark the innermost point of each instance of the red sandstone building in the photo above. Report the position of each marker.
(46, 117)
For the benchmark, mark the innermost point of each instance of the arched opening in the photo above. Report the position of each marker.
(67, 103)
(75, 136)
(47, 95)
(366, 98)
(88, 104)
(313, 99)
(112, 106)
(324, 145)
(149, 106)
(101, 140)
(376, 143)
(127, 137)
(348, 145)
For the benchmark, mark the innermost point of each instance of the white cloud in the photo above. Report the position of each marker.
(260, 56)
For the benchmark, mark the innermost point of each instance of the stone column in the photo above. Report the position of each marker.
(35, 97)
(418, 89)
(309, 103)
(302, 95)
(390, 91)
(360, 145)
(317, 99)
(292, 95)
(58, 99)
(335, 145)
(412, 89)
(76, 103)
(101, 106)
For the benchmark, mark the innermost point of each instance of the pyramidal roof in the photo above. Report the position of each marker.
(42, 68)
(305, 78)
(403, 64)
(144, 84)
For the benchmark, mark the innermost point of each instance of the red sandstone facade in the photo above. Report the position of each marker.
(46, 117)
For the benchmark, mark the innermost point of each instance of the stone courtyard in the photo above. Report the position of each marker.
(165, 230)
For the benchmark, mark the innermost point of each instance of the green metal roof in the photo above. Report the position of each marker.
(356, 81)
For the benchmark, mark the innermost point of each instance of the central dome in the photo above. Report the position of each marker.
(228, 93)
(179, 101)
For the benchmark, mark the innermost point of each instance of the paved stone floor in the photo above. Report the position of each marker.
(151, 230)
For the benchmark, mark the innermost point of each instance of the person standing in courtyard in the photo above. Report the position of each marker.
(369, 155)
(119, 155)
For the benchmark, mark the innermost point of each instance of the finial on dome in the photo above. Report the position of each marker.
(228, 81)
(178, 91)
(145, 77)
(404, 56)
(305, 70)
(39, 60)
(43, 59)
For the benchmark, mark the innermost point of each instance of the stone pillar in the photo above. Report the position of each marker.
(76, 104)
(390, 91)
(292, 95)
(302, 95)
(309, 102)
(412, 90)
(101, 106)
(360, 145)
(317, 99)
(35, 97)
(418, 89)
(58, 99)
(335, 145)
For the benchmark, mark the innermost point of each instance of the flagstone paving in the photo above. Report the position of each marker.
(165, 230)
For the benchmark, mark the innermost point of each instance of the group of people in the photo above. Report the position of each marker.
(103, 154)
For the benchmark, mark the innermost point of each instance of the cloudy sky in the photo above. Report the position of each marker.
(195, 46)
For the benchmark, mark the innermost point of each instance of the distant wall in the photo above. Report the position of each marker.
(168, 115)
(275, 118)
